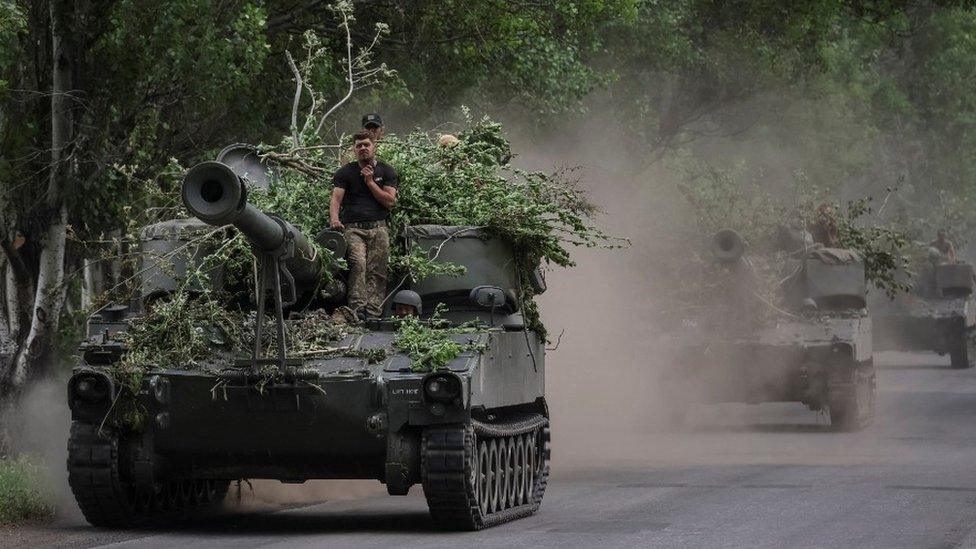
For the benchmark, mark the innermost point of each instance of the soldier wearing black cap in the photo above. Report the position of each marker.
(374, 125)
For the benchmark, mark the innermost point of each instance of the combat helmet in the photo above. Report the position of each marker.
(411, 298)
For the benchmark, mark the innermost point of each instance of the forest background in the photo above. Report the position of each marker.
(742, 102)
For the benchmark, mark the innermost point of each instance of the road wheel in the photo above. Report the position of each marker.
(853, 408)
(962, 353)
(97, 474)
(476, 476)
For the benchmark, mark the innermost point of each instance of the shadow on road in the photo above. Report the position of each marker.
(908, 361)
(908, 367)
(297, 522)
(761, 428)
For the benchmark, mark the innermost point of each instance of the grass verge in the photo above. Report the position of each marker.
(22, 494)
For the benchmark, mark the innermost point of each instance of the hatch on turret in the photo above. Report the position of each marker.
(489, 261)
(954, 279)
(835, 279)
(169, 250)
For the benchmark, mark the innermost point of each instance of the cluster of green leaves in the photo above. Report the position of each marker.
(184, 331)
(473, 184)
(720, 198)
(179, 332)
(951, 211)
(533, 56)
(153, 81)
(431, 344)
(12, 22)
(22, 493)
(884, 250)
(419, 264)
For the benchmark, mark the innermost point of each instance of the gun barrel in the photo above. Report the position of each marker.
(727, 246)
(216, 195)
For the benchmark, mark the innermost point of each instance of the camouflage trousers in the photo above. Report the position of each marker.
(368, 254)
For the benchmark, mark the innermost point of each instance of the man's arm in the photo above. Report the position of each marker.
(334, 205)
(386, 196)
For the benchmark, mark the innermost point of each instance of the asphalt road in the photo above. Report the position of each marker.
(741, 476)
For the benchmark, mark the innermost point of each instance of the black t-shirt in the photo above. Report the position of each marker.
(359, 204)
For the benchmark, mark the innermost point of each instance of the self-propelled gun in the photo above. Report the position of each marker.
(474, 432)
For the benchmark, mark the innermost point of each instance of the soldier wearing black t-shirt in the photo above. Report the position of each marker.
(364, 193)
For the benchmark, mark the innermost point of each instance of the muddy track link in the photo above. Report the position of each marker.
(107, 498)
(480, 475)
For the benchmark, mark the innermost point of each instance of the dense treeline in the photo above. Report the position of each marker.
(98, 96)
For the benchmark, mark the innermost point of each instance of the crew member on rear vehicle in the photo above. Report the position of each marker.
(363, 194)
(944, 245)
(823, 227)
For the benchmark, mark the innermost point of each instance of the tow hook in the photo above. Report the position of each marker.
(376, 423)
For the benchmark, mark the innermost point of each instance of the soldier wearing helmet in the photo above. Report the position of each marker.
(407, 303)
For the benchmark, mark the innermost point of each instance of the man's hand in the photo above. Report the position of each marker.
(386, 196)
(336, 225)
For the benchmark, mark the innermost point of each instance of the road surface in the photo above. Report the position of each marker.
(740, 476)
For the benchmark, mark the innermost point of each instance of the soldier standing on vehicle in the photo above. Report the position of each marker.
(824, 226)
(944, 245)
(364, 193)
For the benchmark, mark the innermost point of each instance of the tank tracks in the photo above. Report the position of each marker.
(107, 498)
(480, 475)
(962, 352)
(855, 409)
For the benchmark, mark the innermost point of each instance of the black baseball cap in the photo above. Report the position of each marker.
(372, 119)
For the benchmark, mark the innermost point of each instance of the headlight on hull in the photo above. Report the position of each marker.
(442, 387)
(91, 387)
(90, 394)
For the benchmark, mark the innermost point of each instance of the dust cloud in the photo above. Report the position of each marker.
(37, 424)
(602, 378)
(601, 375)
(260, 494)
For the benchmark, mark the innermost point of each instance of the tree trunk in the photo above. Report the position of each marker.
(6, 335)
(92, 286)
(37, 348)
(12, 302)
(36, 351)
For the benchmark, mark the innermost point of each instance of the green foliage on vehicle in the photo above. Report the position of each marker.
(432, 344)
